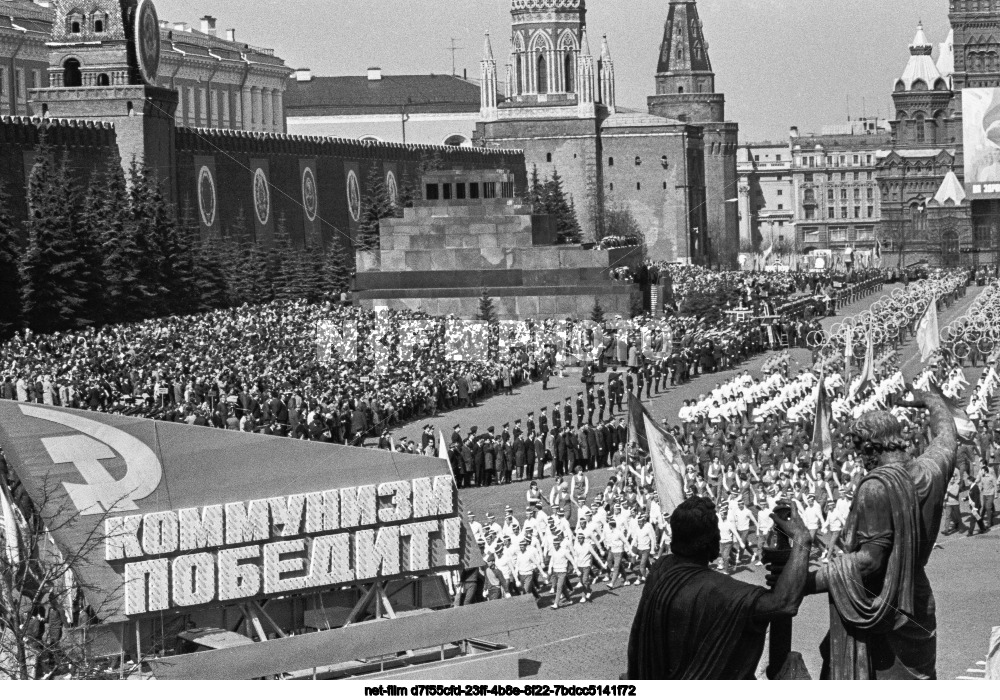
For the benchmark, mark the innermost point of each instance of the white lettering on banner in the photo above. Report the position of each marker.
(398, 506)
(371, 547)
(201, 531)
(121, 538)
(238, 580)
(147, 577)
(419, 534)
(322, 511)
(438, 499)
(245, 524)
(159, 532)
(330, 562)
(275, 566)
(357, 506)
(194, 579)
(287, 514)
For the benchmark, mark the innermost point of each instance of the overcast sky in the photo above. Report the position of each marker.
(779, 62)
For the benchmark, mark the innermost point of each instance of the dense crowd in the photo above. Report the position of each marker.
(257, 369)
(748, 444)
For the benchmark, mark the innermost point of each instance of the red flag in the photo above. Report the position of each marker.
(822, 436)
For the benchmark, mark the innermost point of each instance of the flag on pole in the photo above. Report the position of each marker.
(636, 426)
(822, 436)
(877, 255)
(768, 252)
(443, 449)
(11, 531)
(867, 376)
(928, 339)
(668, 467)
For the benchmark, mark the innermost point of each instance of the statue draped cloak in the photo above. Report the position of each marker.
(884, 625)
(694, 623)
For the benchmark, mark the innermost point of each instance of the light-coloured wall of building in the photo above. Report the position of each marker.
(239, 87)
(766, 196)
(436, 129)
(837, 198)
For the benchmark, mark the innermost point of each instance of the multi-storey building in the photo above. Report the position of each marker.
(220, 82)
(765, 189)
(835, 192)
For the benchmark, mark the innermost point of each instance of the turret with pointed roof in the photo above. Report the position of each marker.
(488, 84)
(922, 97)
(685, 82)
(685, 90)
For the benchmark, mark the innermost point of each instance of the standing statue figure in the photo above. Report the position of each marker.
(882, 621)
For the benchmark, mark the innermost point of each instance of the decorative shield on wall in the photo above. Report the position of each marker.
(392, 188)
(207, 201)
(261, 197)
(353, 196)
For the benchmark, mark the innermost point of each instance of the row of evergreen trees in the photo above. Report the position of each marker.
(114, 251)
(548, 197)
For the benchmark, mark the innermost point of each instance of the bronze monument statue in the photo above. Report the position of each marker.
(696, 623)
(882, 621)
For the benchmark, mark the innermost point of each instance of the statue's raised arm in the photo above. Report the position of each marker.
(944, 444)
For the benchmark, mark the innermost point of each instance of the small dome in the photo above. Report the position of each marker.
(921, 73)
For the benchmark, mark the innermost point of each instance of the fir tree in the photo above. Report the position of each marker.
(122, 287)
(487, 309)
(556, 205)
(90, 236)
(597, 313)
(432, 162)
(336, 276)
(375, 206)
(280, 250)
(537, 193)
(154, 239)
(50, 267)
(10, 279)
(235, 260)
(198, 287)
(260, 289)
(408, 193)
(211, 280)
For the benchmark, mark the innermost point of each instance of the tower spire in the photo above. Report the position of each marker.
(488, 84)
(606, 69)
(488, 49)
(684, 65)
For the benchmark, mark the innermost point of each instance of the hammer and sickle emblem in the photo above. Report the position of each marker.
(101, 493)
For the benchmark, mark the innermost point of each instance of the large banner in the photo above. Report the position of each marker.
(981, 137)
(165, 517)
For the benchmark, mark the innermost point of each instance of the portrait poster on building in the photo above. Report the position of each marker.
(981, 138)
(262, 201)
(352, 196)
(311, 219)
(207, 199)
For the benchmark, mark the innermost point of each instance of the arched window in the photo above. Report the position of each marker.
(74, 27)
(103, 80)
(543, 74)
(98, 26)
(455, 140)
(680, 89)
(72, 76)
(921, 130)
(570, 72)
(518, 75)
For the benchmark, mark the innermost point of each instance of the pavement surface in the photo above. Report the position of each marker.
(589, 641)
